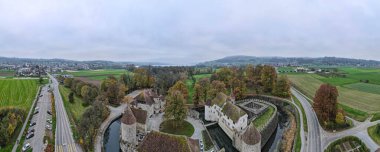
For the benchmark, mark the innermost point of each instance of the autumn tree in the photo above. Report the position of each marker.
(114, 91)
(143, 78)
(175, 107)
(204, 84)
(282, 87)
(250, 73)
(325, 103)
(268, 78)
(225, 75)
(257, 74)
(197, 94)
(67, 82)
(180, 86)
(339, 119)
(216, 87)
(127, 80)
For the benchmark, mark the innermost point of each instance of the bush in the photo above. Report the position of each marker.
(10, 120)
(334, 145)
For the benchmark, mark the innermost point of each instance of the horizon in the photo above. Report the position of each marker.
(172, 32)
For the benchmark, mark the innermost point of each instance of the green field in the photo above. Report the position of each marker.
(190, 87)
(18, 93)
(75, 109)
(365, 87)
(184, 129)
(372, 133)
(356, 98)
(285, 69)
(97, 74)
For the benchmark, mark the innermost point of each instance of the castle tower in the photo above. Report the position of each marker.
(128, 131)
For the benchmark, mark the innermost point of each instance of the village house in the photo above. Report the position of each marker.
(149, 101)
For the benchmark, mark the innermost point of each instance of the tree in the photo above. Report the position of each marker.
(325, 103)
(238, 93)
(268, 78)
(71, 97)
(197, 94)
(216, 87)
(340, 120)
(180, 86)
(85, 93)
(68, 82)
(175, 107)
(250, 73)
(282, 87)
(40, 80)
(78, 88)
(113, 90)
(204, 84)
(224, 74)
(143, 78)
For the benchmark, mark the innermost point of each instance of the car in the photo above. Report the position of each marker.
(37, 108)
(31, 130)
(48, 127)
(41, 95)
(28, 136)
(32, 124)
(26, 147)
(49, 121)
(35, 112)
(49, 112)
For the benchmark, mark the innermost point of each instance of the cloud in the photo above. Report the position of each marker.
(186, 32)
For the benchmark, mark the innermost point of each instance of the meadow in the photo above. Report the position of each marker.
(75, 109)
(18, 92)
(357, 99)
(97, 74)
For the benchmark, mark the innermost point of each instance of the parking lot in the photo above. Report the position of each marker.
(40, 122)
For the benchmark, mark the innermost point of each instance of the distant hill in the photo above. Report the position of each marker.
(17, 61)
(294, 61)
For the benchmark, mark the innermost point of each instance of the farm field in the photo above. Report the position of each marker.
(190, 87)
(18, 92)
(7, 73)
(97, 74)
(355, 101)
(365, 87)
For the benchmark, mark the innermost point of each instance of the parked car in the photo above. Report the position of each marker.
(26, 147)
(37, 108)
(35, 112)
(49, 112)
(31, 130)
(32, 124)
(28, 136)
(49, 121)
(48, 127)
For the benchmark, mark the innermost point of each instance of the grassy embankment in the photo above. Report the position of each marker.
(372, 133)
(261, 120)
(298, 103)
(358, 104)
(74, 110)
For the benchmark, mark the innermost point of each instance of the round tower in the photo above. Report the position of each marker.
(128, 130)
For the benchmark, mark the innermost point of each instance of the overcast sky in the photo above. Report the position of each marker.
(188, 31)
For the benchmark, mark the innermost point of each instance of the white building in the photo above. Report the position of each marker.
(234, 122)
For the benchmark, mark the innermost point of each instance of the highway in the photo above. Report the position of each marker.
(314, 128)
(64, 136)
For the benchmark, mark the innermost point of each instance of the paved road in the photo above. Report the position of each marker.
(359, 130)
(64, 136)
(314, 129)
(40, 118)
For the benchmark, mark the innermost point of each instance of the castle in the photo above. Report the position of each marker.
(234, 122)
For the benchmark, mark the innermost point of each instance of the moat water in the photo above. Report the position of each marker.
(112, 136)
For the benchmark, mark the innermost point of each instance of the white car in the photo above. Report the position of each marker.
(26, 147)
(48, 127)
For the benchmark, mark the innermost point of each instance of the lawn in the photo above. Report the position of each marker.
(372, 133)
(375, 117)
(18, 93)
(363, 101)
(261, 120)
(75, 109)
(97, 74)
(184, 129)
(365, 87)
